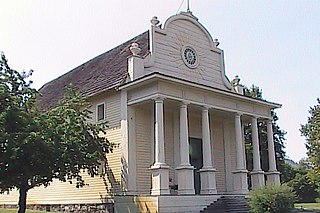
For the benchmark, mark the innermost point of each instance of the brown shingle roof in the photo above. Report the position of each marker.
(101, 73)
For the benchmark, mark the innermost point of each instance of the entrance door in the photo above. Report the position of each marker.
(195, 149)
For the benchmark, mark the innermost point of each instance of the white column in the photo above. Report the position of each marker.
(239, 145)
(207, 172)
(128, 146)
(273, 176)
(243, 144)
(185, 170)
(255, 145)
(159, 133)
(206, 142)
(257, 175)
(131, 164)
(184, 135)
(240, 182)
(160, 170)
(271, 152)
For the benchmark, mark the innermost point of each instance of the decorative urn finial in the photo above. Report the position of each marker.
(216, 42)
(236, 81)
(154, 21)
(237, 86)
(135, 50)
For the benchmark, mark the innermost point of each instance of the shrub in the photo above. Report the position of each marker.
(272, 199)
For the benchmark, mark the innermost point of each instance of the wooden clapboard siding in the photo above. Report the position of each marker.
(143, 149)
(112, 116)
(168, 54)
(97, 188)
(113, 107)
(11, 198)
(217, 143)
(113, 164)
(63, 192)
(169, 142)
(60, 193)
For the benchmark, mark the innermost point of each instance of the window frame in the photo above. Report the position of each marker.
(97, 112)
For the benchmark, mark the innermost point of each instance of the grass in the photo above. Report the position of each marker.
(309, 206)
(16, 210)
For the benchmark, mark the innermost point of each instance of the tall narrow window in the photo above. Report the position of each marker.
(100, 112)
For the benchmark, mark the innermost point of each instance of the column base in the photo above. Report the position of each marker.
(240, 182)
(185, 180)
(160, 179)
(257, 179)
(273, 177)
(208, 180)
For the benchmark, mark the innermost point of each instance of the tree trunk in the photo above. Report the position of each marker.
(22, 199)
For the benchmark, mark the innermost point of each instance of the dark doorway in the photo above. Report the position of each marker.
(195, 150)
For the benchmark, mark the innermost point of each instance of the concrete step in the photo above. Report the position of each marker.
(230, 204)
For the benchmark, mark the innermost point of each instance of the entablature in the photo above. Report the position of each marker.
(156, 84)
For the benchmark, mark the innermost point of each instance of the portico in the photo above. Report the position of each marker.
(217, 126)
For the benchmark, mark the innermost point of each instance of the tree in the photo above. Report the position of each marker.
(37, 147)
(289, 173)
(303, 181)
(308, 181)
(311, 130)
(278, 136)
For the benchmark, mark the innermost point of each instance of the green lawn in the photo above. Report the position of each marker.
(308, 205)
(16, 210)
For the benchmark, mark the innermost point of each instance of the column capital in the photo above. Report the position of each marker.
(238, 114)
(269, 120)
(158, 99)
(183, 103)
(205, 108)
(254, 118)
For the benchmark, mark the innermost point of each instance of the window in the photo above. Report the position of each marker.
(100, 112)
(102, 168)
(189, 57)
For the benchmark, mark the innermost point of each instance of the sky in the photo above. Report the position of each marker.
(273, 44)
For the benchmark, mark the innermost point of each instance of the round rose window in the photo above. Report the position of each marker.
(189, 57)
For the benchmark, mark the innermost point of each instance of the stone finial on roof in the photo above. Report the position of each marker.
(216, 42)
(237, 86)
(135, 50)
(154, 21)
(235, 81)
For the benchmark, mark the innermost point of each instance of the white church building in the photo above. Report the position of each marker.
(177, 119)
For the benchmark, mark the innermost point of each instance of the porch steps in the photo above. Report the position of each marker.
(228, 204)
